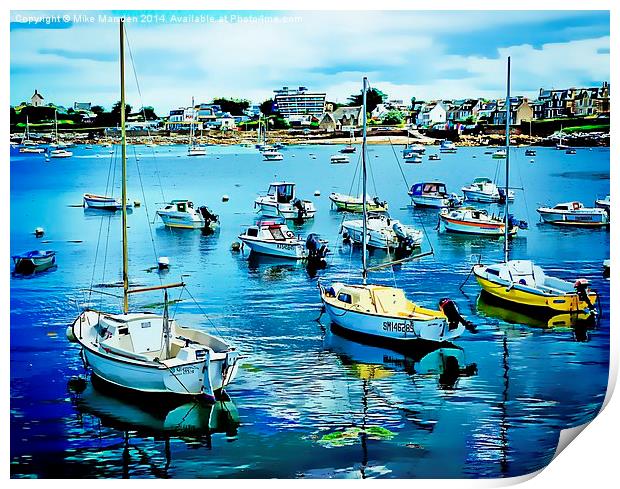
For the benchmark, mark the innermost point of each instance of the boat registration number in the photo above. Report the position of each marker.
(185, 370)
(400, 327)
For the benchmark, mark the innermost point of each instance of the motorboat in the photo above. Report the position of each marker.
(377, 312)
(272, 156)
(468, 220)
(34, 261)
(574, 214)
(433, 194)
(434, 157)
(144, 352)
(32, 149)
(93, 201)
(413, 158)
(383, 232)
(348, 149)
(571, 151)
(521, 283)
(281, 201)
(483, 190)
(60, 153)
(182, 214)
(500, 154)
(274, 238)
(603, 203)
(411, 151)
(447, 147)
(196, 151)
(350, 203)
(530, 152)
(335, 159)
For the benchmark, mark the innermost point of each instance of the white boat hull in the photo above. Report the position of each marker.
(287, 211)
(429, 201)
(576, 218)
(284, 250)
(181, 221)
(475, 196)
(392, 328)
(379, 238)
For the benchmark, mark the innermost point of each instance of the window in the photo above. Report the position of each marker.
(342, 297)
(253, 232)
(276, 232)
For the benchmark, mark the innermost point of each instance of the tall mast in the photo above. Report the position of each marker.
(506, 230)
(364, 212)
(191, 126)
(56, 125)
(124, 179)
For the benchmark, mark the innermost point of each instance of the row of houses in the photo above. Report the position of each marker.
(203, 116)
(551, 104)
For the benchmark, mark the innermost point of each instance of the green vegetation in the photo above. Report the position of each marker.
(394, 117)
(374, 97)
(588, 128)
(233, 105)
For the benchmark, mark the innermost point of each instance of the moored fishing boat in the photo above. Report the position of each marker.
(574, 214)
(447, 147)
(433, 194)
(500, 154)
(350, 203)
(147, 352)
(467, 220)
(379, 312)
(521, 283)
(180, 213)
(60, 153)
(281, 201)
(34, 261)
(530, 152)
(603, 203)
(274, 238)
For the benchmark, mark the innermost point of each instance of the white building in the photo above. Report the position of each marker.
(432, 113)
(293, 102)
(37, 99)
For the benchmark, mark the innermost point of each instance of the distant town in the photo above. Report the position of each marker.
(571, 110)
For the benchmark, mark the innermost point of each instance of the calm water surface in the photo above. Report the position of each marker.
(306, 402)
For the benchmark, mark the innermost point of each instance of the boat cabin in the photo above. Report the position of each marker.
(480, 182)
(429, 188)
(179, 206)
(568, 206)
(283, 192)
(270, 230)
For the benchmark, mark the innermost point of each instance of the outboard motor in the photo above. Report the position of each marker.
(454, 201)
(316, 249)
(451, 311)
(582, 287)
(208, 216)
(301, 209)
(404, 240)
(514, 222)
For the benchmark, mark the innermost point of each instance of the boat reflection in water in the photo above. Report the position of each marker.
(369, 364)
(578, 323)
(142, 418)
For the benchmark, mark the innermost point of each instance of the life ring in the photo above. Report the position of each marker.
(290, 234)
(575, 206)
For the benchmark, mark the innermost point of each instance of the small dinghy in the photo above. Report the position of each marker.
(92, 201)
(34, 261)
(181, 214)
(434, 157)
(500, 154)
(354, 204)
(530, 152)
(574, 214)
(348, 149)
(281, 201)
(447, 147)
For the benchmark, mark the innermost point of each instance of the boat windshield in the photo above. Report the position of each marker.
(276, 232)
(434, 188)
(284, 193)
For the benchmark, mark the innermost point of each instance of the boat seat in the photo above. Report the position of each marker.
(108, 347)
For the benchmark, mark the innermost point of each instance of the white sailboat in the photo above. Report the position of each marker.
(146, 352)
(523, 284)
(193, 149)
(379, 312)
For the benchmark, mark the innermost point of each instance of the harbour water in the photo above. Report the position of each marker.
(306, 402)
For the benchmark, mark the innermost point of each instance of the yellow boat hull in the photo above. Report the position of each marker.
(562, 302)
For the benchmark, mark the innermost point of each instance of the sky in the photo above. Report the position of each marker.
(73, 56)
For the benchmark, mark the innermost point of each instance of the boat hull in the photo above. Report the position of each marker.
(430, 202)
(528, 297)
(103, 203)
(470, 227)
(181, 222)
(574, 218)
(283, 250)
(483, 197)
(33, 265)
(391, 329)
(287, 211)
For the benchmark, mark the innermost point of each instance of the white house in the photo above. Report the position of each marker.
(37, 99)
(432, 113)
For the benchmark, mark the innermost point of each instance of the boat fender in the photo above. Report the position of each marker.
(70, 334)
(450, 309)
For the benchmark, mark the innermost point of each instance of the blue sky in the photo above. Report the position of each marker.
(426, 54)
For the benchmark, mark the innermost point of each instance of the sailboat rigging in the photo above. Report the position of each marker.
(521, 282)
(193, 149)
(143, 351)
(380, 312)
